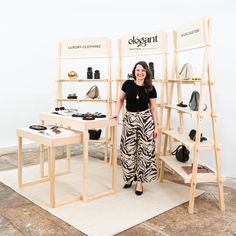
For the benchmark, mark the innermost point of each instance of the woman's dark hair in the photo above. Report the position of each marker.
(148, 78)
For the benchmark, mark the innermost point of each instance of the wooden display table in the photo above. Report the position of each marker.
(83, 126)
(51, 142)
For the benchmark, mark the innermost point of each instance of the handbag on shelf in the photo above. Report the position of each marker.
(186, 72)
(181, 153)
(94, 134)
(93, 92)
(195, 100)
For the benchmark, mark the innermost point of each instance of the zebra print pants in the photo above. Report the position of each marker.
(137, 147)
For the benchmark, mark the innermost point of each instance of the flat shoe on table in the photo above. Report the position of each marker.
(88, 116)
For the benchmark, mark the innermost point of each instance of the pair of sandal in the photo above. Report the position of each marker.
(88, 116)
(99, 115)
(77, 115)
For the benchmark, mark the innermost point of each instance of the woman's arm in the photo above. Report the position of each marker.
(119, 104)
(153, 108)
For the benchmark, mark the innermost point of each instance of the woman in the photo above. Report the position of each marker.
(140, 128)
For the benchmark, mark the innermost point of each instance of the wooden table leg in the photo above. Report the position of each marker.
(19, 162)
(114, 158)
(85, 165)
(41, 156)
(51, 162)
(41, 160)
(68, 157)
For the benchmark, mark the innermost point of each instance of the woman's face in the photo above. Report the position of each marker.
(140, 72)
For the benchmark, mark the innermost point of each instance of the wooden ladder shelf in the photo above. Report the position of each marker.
(191, 38)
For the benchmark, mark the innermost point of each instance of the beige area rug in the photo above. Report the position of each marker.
(105, 216)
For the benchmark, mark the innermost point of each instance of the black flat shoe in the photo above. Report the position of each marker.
(128, 185)
(181, 104)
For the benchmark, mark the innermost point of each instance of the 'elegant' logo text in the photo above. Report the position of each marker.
(142, 42)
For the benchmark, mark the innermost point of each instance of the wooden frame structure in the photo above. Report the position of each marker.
(190, 38)
(51, 143)
(83, 126)
(86, 48)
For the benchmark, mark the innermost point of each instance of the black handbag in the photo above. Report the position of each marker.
(94, 134)
(181, 153)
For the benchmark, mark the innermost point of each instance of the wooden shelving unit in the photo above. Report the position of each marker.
(80, 49)
(189, 37)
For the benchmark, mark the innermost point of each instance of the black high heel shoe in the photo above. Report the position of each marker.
(138, 192)
(128, 185)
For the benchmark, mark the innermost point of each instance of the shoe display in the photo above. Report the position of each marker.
(99, 115)
(88, 116)
(72, 96)
(181, 104)
(77, 115)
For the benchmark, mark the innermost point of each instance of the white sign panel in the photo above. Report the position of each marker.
(73, 48)
(146, 43)
(191, 34)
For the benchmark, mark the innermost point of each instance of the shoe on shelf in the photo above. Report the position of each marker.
(181, 104)
(88, 116)
(138, 192)
(129, 184)
(99, 115)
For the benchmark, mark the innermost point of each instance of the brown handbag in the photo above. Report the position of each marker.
(93, 92)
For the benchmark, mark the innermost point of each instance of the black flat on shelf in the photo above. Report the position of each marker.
(99, 115)
(181, 104)
(78, 115)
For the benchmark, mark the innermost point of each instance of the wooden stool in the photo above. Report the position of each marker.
(51, 142)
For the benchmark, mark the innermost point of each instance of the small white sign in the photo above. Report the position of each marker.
(191, 34)
(74, 48)
(145, 43)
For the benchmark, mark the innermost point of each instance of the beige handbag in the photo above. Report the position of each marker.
(93, 92)
(186, 72)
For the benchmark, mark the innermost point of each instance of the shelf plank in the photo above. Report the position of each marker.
(185, 81)
(187, 110)
(82, 80)
(175, 165)
(81, 100)
(153, 81)
(184, 138)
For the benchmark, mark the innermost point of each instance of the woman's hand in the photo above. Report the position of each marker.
(156, 133)
(114, 116)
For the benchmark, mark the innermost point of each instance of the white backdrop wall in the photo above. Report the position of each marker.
(30, 31)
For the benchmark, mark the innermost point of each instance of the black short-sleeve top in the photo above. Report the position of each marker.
(131, 90)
